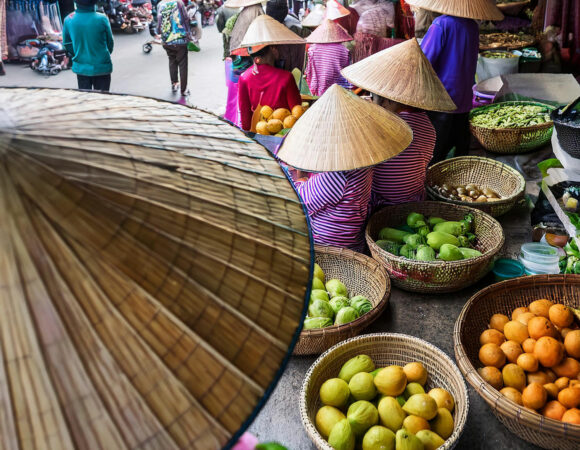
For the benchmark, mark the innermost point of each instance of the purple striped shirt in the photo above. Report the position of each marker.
(337, 204)
(402, 178)
(325, 61)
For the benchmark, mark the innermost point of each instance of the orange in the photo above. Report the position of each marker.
(297, 111)
(513, 394)
(513, 376)
(491, 355)
(574, 383)
(534, 396)
(516, 312)
(492, 375)
(552, 390)
(572, 343)
(564, 332)
(572, 416)
(493, 336)
(569, 397)
(560, 315)
(541, 307)
(538, 377)
(528, 345)
(569, 367)
(516, 331)
(528, 362)
(548, 351)
(562, 382)
(551, 375)
(554, 410)
(525, 317)
(511, 350)
(498, 321)
(540, 326)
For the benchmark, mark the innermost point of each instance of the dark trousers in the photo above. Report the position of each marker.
(452, 131)
(98, 83)
(177, 55)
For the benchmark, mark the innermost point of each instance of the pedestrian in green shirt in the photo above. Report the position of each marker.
(87, 36)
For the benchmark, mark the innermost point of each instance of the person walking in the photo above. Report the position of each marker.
(87, 36)
(173, 27)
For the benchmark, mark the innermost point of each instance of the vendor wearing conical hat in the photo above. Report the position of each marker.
(402, 81)
(452, 45)
(327, 57)
(263, 84)
(341, 137)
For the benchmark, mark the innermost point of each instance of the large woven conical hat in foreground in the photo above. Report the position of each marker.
(470, 9)
(315, 17)
(153, 269)
(404, 74)
(265, 30)
(329, 32)
(341, 131)
(335, 10)
(241, 3)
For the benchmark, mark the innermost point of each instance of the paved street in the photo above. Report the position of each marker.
(135, 72)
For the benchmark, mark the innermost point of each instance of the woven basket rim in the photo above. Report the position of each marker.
(361, 322)
(486, 391)
(459, 263)
(480, 109)
(478, 159)
(311, 428)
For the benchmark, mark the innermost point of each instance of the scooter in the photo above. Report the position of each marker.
(208, 11)
(51, 57)
(123, 16)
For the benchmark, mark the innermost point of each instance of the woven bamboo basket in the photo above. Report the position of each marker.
(503, 298)
(511, 140)
(153, 271)
(436, 276)
(385, 349)
(362, 276)
(485, 172)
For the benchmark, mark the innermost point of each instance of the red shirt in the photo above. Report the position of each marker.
(265, 85)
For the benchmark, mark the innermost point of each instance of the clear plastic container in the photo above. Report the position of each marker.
(539, 253)
(533, 268)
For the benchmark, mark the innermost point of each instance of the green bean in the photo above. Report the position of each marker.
(511, 116)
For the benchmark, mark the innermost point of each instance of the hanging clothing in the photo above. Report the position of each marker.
(337, 204)
(349, 21)
(265, 85)
(402, 179)
(325, 61)
(452, 45)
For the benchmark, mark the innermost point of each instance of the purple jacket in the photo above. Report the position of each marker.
(451, 45)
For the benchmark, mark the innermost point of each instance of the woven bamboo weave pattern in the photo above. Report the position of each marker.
(484, 172)
(362, 276)
(503, 298)
(436, 276)
(153, 268)
(385, 349)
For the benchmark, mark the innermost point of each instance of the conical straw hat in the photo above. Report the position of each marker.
(315, 17)
(329, 32)
(264, 30)
(341, 131)
(241, 3)
(153, 271)
(470, 9)
(335, 10)
(404, 74)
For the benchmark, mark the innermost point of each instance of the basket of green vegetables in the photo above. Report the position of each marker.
(434, 247)
(512, 127)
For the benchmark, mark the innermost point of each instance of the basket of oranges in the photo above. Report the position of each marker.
(518, 344)
(277, 122)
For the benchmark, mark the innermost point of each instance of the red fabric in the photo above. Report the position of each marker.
(349, 22)
(368, 44)
(405, 21)
(265, 85)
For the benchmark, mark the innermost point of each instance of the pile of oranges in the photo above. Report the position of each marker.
(533, 359)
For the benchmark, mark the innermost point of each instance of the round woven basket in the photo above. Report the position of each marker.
(568, 134)
(362, 276)
(503, 298)
(503, 179)
(385, 349)
(436, 276)
(511, 140)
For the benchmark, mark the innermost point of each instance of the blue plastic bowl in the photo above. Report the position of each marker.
(506, 269)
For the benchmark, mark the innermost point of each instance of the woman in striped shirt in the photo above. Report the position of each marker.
(327, 57)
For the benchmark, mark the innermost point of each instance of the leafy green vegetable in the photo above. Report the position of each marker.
(270, 446)
(552, 163)
(510, 116)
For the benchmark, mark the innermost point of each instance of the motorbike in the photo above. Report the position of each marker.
(124, 16)
(208, 11)
(46, 56)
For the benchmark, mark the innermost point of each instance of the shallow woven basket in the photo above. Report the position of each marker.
(436, 276)
(511, 140)
(485, 172)
(385, 349)
(362, 276)
(503, 298)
